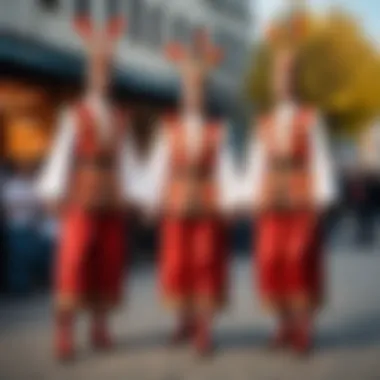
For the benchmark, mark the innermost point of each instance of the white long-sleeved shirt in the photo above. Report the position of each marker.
(321, 164)
(53, 181)
(156, 169)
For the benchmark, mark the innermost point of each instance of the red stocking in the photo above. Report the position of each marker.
(203, 335)
(65, 335)
(303, 337)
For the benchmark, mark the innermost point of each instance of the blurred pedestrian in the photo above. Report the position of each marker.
(49, 234)
(21, 216)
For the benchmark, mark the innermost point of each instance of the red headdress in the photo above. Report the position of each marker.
(100, 41)
(86, 28)
(288, 32)
(285, 38)
(201, 51)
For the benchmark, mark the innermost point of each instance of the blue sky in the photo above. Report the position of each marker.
(367, 11)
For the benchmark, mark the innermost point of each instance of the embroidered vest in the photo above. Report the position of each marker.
(287, 181)
(95, 182)
(191, 189)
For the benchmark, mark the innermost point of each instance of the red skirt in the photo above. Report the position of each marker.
(90, 260)
(193, 262)
(289, 258)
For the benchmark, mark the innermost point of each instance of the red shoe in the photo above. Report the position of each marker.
(100, 337)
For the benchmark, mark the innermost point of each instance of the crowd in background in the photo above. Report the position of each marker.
(29, 232)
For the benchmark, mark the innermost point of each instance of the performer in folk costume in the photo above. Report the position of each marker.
(289, 183)
(190, 175)
(87, 176)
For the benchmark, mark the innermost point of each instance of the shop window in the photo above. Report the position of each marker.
(27, 137)
(27, 119)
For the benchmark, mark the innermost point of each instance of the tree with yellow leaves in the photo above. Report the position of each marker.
(338, 71)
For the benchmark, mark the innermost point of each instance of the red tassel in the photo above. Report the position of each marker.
(175, 52)
(84, 27)
(115, 27)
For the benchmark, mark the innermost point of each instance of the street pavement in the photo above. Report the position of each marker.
(348, 341)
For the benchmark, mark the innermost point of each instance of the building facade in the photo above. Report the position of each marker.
(151, 24)
(38, 35)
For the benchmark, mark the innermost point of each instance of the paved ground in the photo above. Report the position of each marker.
(348, 339)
